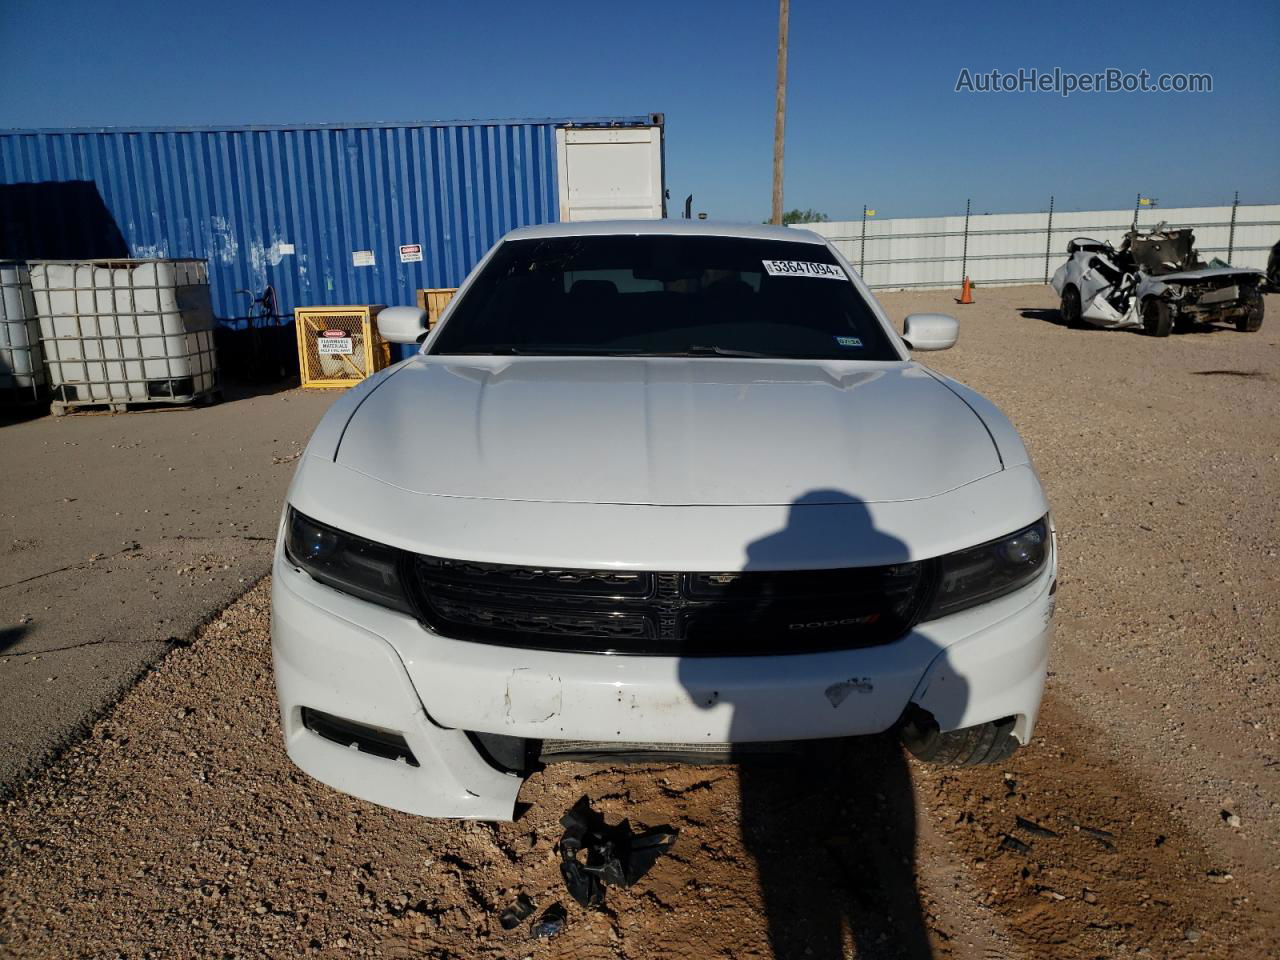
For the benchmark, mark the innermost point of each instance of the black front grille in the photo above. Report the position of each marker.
(668, 614)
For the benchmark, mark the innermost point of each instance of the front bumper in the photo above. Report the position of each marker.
(373, 666)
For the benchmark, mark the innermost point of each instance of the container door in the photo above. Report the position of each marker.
(610, 173)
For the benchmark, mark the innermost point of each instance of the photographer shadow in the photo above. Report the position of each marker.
(831, 825)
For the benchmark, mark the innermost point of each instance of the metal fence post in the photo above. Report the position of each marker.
(862, 248)
(1231, 237)
(1136, 204)
(1048, 240)
(964, 256)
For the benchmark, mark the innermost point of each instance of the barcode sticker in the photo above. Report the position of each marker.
(803, 268)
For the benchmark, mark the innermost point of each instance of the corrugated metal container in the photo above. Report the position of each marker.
(319, 212)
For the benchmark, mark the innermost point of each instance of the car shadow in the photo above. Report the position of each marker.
(1188, 329)
(832, 826)
(1052, 314)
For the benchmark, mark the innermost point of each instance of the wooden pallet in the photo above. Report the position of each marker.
(60, 408)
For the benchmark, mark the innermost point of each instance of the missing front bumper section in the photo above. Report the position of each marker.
(523, 756)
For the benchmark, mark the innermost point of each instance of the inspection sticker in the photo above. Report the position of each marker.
(849, 341)
(802, 268)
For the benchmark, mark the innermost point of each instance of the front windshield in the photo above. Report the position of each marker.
(664, 295)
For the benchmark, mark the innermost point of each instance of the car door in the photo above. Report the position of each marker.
(1098, 279)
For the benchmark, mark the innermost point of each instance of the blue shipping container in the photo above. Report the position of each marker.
(317, 211)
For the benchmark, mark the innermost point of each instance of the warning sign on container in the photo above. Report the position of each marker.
(410, 253)
(328, 346)
(363, 258)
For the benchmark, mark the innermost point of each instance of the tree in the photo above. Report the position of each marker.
(804, 216)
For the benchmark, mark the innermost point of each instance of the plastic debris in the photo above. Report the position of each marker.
(550, 923)
(515, 914)
(1034, 828)
(1104, 837)
(615, 856)
(1013, 843)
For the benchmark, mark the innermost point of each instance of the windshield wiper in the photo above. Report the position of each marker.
(700, 350)
(537, 350)
(554, 350)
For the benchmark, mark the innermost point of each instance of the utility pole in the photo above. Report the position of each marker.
(780, 109)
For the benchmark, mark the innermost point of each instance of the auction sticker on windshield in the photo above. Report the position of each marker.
(802, 268)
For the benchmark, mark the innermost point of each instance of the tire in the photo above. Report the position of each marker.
(1251, 322)
(1070, 311)
(1157, 318)
(986, 743)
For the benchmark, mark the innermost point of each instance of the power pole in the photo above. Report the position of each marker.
(780, 109)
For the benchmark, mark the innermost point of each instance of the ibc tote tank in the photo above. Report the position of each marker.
(21, 366)
(117, 332)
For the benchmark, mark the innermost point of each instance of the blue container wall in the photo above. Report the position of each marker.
(234, 196)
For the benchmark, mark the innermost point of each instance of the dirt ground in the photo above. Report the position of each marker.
(1143, 821)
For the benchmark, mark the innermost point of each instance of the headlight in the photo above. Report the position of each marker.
(980, 574)
(345, 562)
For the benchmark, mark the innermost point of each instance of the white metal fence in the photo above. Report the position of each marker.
(1008, 248)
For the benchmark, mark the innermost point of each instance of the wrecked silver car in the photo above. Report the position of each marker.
(1156, 281)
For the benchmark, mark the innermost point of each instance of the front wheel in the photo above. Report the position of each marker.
(967, 747)
(1157, 318)
(1070, 310)
(1251, 322)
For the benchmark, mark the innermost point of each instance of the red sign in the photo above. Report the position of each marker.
(334, 333)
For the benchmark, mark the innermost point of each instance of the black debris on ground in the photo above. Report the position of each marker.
(615, 856)
(550, 923)
(515, 914)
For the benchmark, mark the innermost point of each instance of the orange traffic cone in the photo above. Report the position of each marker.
(966, 292)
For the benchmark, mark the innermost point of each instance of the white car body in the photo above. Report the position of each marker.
(693, 464)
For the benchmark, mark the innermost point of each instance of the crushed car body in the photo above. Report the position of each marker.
(1156, 281)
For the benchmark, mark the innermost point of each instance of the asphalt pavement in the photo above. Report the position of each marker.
(119, 535)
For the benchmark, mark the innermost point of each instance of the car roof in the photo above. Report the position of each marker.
(684, 228)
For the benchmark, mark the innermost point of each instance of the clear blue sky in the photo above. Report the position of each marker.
(873, 116)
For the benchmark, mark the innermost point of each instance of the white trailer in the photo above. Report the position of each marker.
(611, 173)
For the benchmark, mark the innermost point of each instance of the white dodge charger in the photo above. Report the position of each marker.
(659, 489)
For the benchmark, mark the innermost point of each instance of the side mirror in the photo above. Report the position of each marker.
(402, 324)
(930, 331)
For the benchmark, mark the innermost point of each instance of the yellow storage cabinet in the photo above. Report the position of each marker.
(339, 346)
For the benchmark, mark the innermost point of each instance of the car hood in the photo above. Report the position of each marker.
(666, 431)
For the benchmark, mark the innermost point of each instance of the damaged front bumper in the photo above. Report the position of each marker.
(381, 672)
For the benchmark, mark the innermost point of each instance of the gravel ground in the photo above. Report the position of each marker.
(1148, 802)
